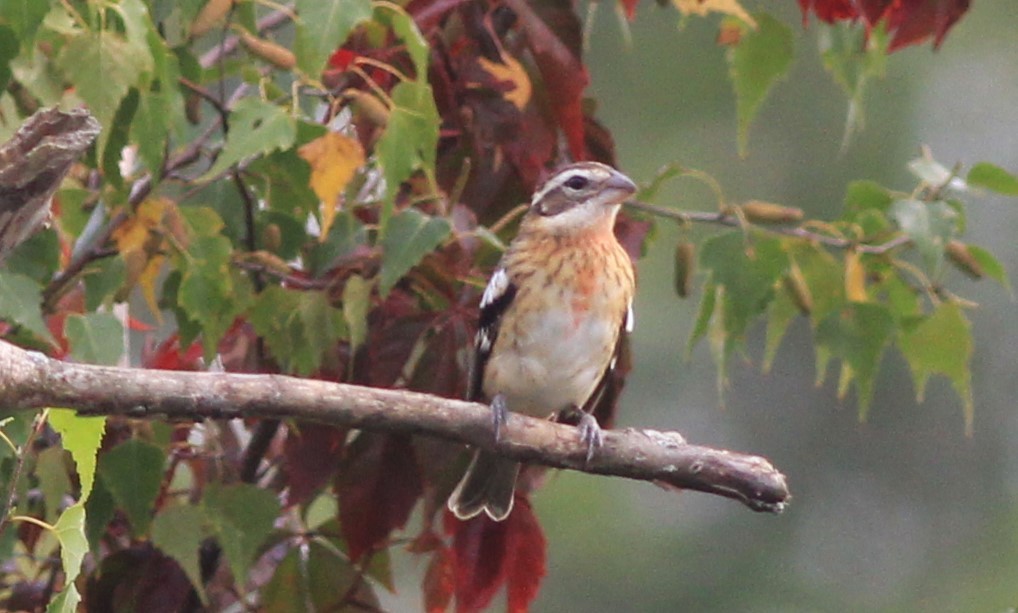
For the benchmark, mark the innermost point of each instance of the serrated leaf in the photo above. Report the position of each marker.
(761, 58)
(942, 344)
(298, 327)
(178, 531)
(334, 159)
(324, 25)
(25, 17)
(242, 516)
(853, 55)
(70, 531)
(780, 314)
(20, 304)
(857, 334)
(81, 437)
(417, 47)
(95, 338)
(256, 127)
(410, 139)
(132, 472)
(748, 275)
(103, 66)
(410, 236)
(994, 178)
(930, 225)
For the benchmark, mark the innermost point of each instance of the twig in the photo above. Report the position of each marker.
(726, 219)
(7, 504)
(29, 380)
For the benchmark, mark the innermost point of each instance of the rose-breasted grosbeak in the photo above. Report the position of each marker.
(551, 319)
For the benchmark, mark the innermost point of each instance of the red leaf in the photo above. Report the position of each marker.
(829, 11)
(525, 556)
(342, 58)
(914, 21)
(439, 581)
(479, 558)
(488, 554)
(168, 355)
(138, 579)
(555, 44)
(378, 484)
(632, 233)
(630, 7)
(312, 453)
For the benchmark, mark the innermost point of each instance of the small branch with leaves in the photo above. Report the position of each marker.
(29, 380)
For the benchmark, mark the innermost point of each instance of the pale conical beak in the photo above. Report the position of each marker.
(622, 183)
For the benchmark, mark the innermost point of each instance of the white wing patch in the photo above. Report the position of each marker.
(630, 320)
(497, 286)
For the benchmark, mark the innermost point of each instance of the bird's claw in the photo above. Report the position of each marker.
(590, 434)
(499, 414)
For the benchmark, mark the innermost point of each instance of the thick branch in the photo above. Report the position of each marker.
(30, 380)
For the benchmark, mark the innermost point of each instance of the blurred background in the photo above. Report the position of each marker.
(902, 513)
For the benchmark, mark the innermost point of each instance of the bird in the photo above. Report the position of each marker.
(552, 317)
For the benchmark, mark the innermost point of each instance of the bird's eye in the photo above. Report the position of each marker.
(577, 182)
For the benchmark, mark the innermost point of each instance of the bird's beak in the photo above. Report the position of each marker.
(621, 183)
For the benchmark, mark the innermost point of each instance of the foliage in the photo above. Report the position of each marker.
(321, 190)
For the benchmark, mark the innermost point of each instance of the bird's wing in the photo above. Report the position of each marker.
(498, 295)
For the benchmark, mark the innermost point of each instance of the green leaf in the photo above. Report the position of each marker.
(346, 234)
(132, 472)
(51, 470)
(103, 279)
(66, 601)
(857, 334)
(703, 316)
(38, 257)
(24, 17)
(95, 338)
(867, 204)
(242, 516)
(178, 531)
(853, 55)
(993, 178)
(930, 225)
(356, 304)
(70, 531)
(81, 437)
(99, 511)
(410, 138)
(322, 27)
(299, 327)
(781, 313)
(256, 127)
(103, 66)
(405, 28)
(942, 344)
(747, 274)
(411, 235)
(209, 292)
(992, 267)
(8, 51)
(20, 303)
(161, 105)
(755, 64)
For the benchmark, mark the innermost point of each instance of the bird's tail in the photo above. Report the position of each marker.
(487, 486)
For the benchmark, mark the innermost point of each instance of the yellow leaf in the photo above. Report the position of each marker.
(333, 158)
(855, 278)
(509, 70)
(141, 242)
(701, 8)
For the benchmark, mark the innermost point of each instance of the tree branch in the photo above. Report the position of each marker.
(30, 380)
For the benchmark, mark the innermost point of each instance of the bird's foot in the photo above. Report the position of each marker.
(590, 434)
(499, 414)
